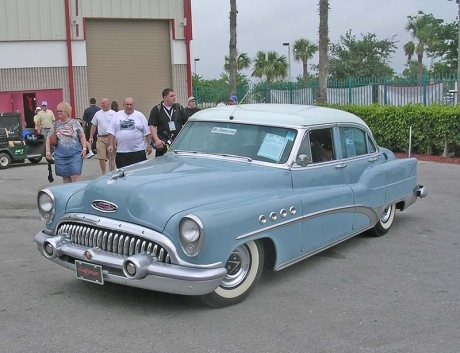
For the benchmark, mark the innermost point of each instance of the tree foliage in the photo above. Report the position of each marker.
(424, 29)
(270, 65)
(303, 51)
(365, 57)
(243, 61)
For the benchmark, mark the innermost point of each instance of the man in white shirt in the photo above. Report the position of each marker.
(101, 121)
(130, 130)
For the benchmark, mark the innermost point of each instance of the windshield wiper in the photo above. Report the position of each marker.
(185, 151)
(233, 156)
(213, 154)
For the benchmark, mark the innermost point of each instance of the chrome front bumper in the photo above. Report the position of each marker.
(150, 274)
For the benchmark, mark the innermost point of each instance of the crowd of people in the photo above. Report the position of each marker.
(122, 137)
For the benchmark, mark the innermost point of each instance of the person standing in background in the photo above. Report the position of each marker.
(37, 110)
(45, 119)
(132, 134)
(71, 145)
(191, 107)
(101, 121)
(87, 117)
(114, 106)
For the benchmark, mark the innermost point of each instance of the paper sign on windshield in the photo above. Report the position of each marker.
(223, 130)
(272, 147)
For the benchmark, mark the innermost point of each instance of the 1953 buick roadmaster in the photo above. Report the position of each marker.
(239, 187)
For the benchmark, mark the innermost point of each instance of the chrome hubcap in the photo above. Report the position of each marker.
(238, 265)
(386, 214)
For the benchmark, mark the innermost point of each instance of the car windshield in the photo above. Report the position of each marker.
(256, 142)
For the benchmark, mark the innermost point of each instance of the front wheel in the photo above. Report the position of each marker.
(244, 267)
(5, 160)
(385, 222)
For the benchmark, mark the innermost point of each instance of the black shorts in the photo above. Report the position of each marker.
(128, 158)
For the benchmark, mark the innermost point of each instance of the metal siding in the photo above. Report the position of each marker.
(128, 58)
(32, 20)
(45, 19)
(35, 79)
(180, 84)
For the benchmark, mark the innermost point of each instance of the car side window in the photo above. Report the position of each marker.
(321, 145)
(354, 142)
(370, 145)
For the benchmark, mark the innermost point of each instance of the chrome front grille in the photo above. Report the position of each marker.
(112, 241)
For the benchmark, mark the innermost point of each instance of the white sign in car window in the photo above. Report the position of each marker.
(350, 143)
(272, 147)
(223, 130)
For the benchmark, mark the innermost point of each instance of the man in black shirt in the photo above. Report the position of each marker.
(87, 118)
(191, 107)
(165, 121)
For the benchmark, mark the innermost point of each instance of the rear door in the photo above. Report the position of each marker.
(365, 173)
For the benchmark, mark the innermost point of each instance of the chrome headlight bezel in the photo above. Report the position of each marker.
(46, 205)
(191, 234)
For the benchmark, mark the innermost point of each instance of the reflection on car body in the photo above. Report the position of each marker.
(240, 187)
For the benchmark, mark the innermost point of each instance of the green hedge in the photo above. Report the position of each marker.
(433, 126)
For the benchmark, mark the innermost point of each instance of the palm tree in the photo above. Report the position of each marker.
(423, 29)
(242, 62)
(303, 51)
(232, 70)
(270, 65)
(323, 46)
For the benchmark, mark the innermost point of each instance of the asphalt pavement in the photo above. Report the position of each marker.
(395, 294)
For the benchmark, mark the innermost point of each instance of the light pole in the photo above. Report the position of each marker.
(288, 45)
(195, 60)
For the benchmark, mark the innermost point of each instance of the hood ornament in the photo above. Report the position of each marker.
(104, 206)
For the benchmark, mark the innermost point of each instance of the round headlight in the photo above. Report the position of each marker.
(45, 202)
(190, 230)
(191, 234)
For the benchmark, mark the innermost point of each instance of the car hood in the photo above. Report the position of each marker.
(151, 192)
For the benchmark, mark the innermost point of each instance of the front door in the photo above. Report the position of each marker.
(327, 200)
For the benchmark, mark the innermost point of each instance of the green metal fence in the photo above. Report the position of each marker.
(383, 91)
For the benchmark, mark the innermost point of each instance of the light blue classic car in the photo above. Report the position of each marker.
(241, 187)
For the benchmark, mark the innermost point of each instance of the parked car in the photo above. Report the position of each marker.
(240, 187)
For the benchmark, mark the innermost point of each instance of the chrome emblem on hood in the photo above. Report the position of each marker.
(104, 206)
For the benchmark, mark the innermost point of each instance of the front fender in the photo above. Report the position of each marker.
(228, 225)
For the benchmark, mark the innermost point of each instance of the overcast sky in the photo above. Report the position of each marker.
(266, 24)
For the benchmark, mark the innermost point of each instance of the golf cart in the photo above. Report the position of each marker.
(17, 144)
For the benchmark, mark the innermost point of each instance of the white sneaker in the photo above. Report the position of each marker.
(90, 155)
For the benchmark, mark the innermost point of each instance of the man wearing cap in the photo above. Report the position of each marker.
(191, 107)
(232, 100)
(45, 119)
(37, 110)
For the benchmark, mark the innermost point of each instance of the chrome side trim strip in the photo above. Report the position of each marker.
(371, 213)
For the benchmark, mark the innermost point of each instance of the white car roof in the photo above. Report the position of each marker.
(289, 115)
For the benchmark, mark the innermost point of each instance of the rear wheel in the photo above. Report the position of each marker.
(244, 267)
(35, 159)
(385, 222)
(5, 160)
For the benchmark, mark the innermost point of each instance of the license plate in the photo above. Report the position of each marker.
(89, 272)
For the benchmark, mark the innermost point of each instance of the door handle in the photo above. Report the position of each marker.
(340, 166)
(373, 159)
